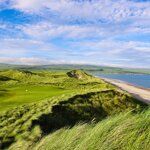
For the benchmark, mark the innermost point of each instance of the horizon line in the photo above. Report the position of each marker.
(85, 64)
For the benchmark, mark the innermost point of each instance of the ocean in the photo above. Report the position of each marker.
(142, 80)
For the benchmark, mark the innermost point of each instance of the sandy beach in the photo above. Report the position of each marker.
(139, 93)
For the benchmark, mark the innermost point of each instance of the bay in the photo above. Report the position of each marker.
(142, 80)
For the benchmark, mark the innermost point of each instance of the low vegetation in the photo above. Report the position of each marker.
(35, 104)
(120, 132)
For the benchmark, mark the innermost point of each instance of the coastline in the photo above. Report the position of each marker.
(140, 93)
(141, 81)
(126, 73)
(128, 83)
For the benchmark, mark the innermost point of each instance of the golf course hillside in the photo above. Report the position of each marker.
(53, 110)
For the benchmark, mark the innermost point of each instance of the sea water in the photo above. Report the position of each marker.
(142, 80)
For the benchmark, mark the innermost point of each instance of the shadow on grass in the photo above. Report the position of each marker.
(89, 107)
(63, 115)
(85, 108)
(4, 78)
(67, 113)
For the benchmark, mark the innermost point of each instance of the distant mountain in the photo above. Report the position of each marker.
(67, 67)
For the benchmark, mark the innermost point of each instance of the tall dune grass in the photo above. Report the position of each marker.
(121, 132)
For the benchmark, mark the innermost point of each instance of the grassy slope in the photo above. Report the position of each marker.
(18, 88)
(125, 131)
(25, 122)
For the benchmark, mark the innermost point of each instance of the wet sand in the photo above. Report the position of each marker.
(139, 93)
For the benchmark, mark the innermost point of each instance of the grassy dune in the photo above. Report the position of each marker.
(122, 132)
(35, 104)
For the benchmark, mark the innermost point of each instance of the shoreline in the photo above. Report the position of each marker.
(128, 83)
(140, 93)
(124, 73)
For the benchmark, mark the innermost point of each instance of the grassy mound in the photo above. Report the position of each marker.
(79, 74)
(86, 108)
(16, 73)
(125, 131)
(33, 121)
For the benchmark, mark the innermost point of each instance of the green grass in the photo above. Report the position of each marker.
(24, 94)
(33, 104)
(18, 87)
(126, 131)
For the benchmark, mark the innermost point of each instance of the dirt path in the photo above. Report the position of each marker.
(137, 92)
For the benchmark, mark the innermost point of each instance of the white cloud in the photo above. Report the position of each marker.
(20, 47)
(112, 46)
(21, 60)
(42, 61)
(88, 18)
(3, 26)
(94, 10)
(109, 52)
(27, 5)
(92, 25)
(37, 61)
(48, 30)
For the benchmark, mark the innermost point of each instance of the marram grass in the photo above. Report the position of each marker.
(126, 131)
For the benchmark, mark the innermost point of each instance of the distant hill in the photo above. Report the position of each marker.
(87, 68)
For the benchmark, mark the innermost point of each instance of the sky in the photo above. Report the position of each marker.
(100, 32)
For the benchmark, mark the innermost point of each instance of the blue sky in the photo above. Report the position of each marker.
(101, 32)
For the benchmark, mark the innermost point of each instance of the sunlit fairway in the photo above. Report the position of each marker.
(23, 94)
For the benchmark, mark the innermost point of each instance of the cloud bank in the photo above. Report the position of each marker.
(86, 31)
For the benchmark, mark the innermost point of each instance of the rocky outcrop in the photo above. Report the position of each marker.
(78, 74)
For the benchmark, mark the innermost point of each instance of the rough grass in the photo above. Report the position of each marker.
(125, 131)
